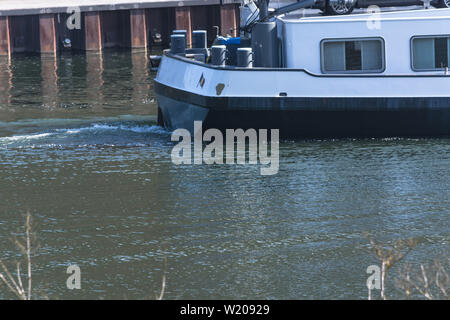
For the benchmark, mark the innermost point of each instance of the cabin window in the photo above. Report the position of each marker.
(430, 53)
(353, 56)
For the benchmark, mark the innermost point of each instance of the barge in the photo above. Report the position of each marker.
(328, 76)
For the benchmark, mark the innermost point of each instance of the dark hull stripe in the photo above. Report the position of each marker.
(310, 117)
(304, 103)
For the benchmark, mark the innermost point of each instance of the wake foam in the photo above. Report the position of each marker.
(97, 129)
(109, 127)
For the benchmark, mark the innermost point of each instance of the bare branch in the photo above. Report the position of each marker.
(16, 286)
(28, 232)
(390, 256)
(430, 281)
(163, 284)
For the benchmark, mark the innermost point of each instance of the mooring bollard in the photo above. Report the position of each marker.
(244, 57)
(199, 39)
(182, 32)
(177, 44)
(218, 55)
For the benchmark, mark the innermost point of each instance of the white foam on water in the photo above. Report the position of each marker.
(107, 127)
(77, 121)
(25, 137)
(95, 128)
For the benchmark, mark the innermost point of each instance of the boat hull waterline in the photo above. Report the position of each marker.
(232, 98)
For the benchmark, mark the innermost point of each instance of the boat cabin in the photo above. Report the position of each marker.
(400, 42)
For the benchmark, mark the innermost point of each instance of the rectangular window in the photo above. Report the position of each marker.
(430, 53)
(353, 56)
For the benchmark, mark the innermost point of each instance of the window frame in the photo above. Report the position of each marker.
(383, 55)
(411, 46)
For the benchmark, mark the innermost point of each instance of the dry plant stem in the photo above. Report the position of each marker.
(389, 257)
(426, 285)
(383, 279)
(19, 278)
(163, 285)
(7, 278)
(29, 254)
(424, 280)
(441, 273)
(11, 283)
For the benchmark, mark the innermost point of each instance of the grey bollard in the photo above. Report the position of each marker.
(199, 39)
(244, 57)
(177, 44)
(183, 32)
(218, 55)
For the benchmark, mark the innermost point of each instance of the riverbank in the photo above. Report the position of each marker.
(93, 25)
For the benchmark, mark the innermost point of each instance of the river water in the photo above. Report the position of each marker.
(81, 152)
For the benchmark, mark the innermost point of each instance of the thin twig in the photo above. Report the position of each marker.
(19, 278)
(28, 231)
(16, 286)
(163, 284)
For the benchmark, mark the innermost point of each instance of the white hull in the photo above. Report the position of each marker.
(310, 105)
